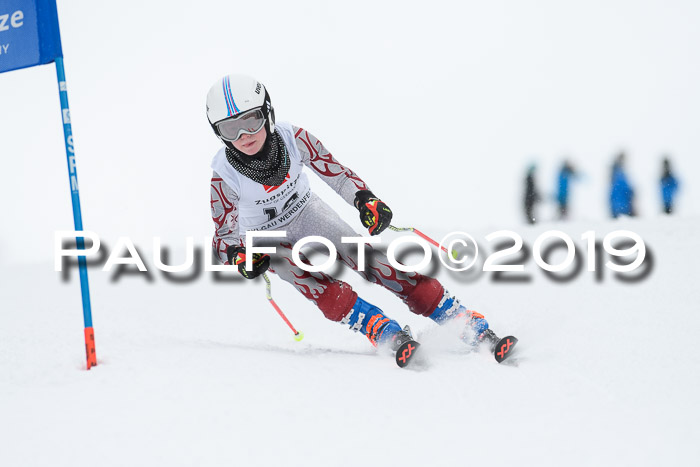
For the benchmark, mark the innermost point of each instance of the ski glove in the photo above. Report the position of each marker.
(236, 255)
(374, 213)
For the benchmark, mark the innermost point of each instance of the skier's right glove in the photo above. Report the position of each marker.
(374, 213)
(236, 255)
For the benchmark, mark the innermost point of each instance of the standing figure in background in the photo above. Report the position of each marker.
(621, 192)
(669, 186)
(565, 175)
(260, 182)
(531, 194)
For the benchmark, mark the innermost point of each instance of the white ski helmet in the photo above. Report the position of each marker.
(234, 95)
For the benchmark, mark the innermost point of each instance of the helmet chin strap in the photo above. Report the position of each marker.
(271, 120)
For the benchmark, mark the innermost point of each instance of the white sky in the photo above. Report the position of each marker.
(438, 105)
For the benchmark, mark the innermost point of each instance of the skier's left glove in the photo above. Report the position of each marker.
(374, 213)
(236, 256)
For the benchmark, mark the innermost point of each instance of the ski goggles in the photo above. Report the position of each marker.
(247, 123)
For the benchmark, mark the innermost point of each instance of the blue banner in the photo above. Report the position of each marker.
(29, 33)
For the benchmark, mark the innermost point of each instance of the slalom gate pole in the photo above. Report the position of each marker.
(90, 352)
(420, 234)
(298, 335)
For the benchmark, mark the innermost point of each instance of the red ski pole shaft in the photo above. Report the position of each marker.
(297, 334)
(420, 234)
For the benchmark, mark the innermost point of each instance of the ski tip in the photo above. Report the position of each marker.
(406, 352)
(504, 348)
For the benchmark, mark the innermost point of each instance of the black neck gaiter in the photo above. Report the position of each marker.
(269, 167)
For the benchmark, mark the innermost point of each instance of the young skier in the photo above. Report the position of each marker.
(260, 183)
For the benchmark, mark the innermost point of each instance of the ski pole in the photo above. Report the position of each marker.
(298, 335)
(420, 234)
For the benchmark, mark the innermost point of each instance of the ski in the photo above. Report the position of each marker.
(406, 352)
(502, 347)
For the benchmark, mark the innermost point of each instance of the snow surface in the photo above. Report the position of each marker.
(205, 373)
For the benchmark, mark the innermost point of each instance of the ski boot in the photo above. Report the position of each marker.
(381, 331)
(372, 322)
(476, 329)
(449, 309)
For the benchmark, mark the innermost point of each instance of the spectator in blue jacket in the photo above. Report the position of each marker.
(669, 187)
(566, 173)
(621, 192)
